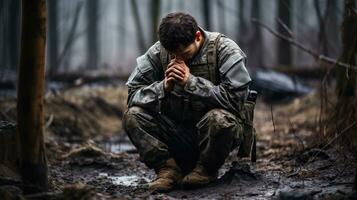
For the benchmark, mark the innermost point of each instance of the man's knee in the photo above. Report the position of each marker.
(130, 118)
(218, 121)
(221, 118)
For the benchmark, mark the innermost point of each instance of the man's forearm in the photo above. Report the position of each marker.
(148, 97)
(216, 95)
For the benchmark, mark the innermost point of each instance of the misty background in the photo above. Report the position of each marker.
(105, 37)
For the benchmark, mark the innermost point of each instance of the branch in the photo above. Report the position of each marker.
(71, 36)
(285, 27)
(304, 48)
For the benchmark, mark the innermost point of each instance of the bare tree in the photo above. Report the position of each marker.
(322, 37)
(221, 16)
(346, 107)
(72, 36)
(139, 31)
(346, 87)
(93, 34)
(14, 33)
(284, 48)
(206, 8)
(242, 24)
(332, 26)
(155, 13)
(121, 26)
(256, 42)
(52, 41)
(30, 117)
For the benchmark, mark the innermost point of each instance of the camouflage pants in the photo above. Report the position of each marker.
(158, 138)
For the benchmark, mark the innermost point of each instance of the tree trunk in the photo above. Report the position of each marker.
(322, 37)
(333, 28)
(256, 42)
(206, 7)
(155, 13)
(122, 30)
(52, 37)
(92, 38)
(284, 48)
(221, 16)
(346, 107)
(30, 118)
(242, 33)
(344, 116)
(14, 33)
(139, 31)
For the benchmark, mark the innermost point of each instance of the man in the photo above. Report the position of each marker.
(185, 98)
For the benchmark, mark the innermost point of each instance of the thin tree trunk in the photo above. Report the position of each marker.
(139, 31)
(122, 30)
(322, 37)
(256, 42)
(284, 48)
(345, 111)
(92, 39)
(2, 40)
(155, 13)
(14, 33)
(221, 16)
(30, 117)
(333, 28)
(52, 37)
(206, 7)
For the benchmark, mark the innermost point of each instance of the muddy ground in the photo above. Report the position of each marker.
(90, 157)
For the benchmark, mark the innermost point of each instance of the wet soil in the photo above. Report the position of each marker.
(90, 157)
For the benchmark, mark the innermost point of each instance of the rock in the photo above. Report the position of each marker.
(78, 191)
(297, 194)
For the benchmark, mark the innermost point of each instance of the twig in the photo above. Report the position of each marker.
(332, 140)
(71, 36)
(295, 135)
(286, 28)
(272, 116)
(304, 48)
(354, 10)
(49, 122)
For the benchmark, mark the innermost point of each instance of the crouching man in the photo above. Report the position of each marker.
(185, 98)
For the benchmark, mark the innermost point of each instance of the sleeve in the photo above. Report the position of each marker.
(232, 91)
(145, 85)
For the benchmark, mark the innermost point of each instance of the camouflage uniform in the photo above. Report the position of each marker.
(197, 123)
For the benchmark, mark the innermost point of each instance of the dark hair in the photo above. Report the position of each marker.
(177, 29)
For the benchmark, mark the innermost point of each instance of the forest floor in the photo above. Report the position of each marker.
(90, 156)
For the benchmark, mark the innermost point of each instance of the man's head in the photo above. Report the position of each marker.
(180, 35)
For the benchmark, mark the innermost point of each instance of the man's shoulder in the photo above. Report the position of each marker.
(154, 49)
(225, 45)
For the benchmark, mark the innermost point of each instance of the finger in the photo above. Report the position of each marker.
(172, 62)
(179, 68)
(176, 76)
(170, 79)
(174, 69)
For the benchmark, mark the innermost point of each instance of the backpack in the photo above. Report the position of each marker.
(247, 146)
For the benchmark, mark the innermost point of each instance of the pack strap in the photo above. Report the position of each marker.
(212, 57)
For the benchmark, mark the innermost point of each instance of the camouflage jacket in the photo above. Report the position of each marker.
(200, 94)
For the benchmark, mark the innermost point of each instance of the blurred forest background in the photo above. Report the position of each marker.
(105, 37)
(92, 41)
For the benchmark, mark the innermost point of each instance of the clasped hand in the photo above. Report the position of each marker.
(177, 72)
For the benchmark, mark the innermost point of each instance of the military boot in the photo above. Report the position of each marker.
(167, 176)
(199, 176)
